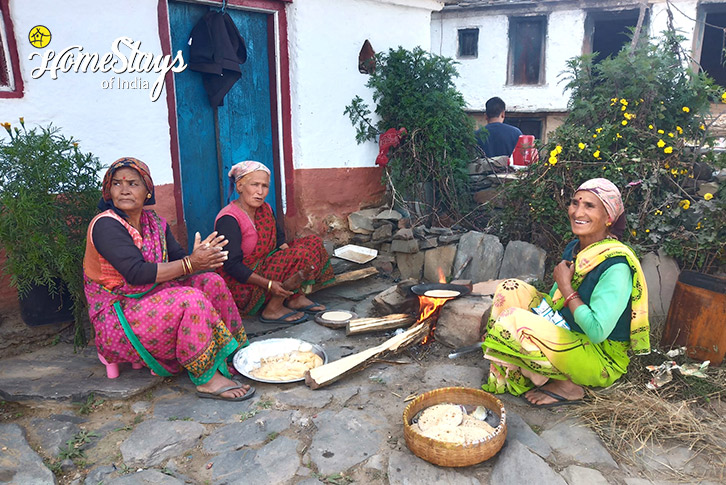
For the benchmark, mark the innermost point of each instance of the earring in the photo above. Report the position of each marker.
(608, 224)
(148, 196)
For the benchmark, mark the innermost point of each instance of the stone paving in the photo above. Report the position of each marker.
(145, 429)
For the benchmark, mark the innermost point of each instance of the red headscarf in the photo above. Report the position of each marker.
(137, 165)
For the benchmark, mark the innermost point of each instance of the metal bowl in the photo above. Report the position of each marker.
(248, 358)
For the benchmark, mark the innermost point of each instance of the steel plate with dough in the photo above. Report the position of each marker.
(251, 357)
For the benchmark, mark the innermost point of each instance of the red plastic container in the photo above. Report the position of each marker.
(524, 153)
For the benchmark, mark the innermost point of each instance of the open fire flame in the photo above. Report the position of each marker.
(429, 306)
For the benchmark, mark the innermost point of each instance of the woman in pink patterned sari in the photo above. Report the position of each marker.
(148, 301)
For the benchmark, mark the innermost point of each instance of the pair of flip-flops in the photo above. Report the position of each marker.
(559, 400)
(307, 310)
(218, 393)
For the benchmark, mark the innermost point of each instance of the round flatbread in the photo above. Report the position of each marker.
(336, 316)
(473, 435)
(440, 414)
(442, 293)
(470, 422)
(445, 433)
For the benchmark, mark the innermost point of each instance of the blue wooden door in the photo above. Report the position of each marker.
(244, 130)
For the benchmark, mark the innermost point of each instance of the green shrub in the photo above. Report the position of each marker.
(638, 119)
(415, 90)
(48, 195)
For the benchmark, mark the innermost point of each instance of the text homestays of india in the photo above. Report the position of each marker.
(73, 58)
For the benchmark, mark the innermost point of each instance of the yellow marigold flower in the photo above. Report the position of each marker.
(597, 154)
(679, 130)
(671, 135)
(553, 160)
(647, 230)
(598, 130)
(660, 132)
(708, 196)
(624, 102)
(658, 212)
(594, 136)
(581, 146)
(650, 127)
(702, 126)
(660, 144)
(668, 150)
(698, 226)
(685, 204)
(22, 120)
(684, 171)
(723, 98)
(623, 108)
(558, 149)
(686, 109)
(634, 232)
(628, 116)
(690, 175)
(614, 100)
(667, 166)
(674, 171)
(618, 135)
(624, 122)
(75, 145)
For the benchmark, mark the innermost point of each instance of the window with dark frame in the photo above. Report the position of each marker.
(527, 50)
(5, 65)
(11, 83)
(468, 43)
(712, 46)
(608, 31)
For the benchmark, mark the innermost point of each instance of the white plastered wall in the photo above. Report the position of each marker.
(325, 38)
(486, 76)
(111, 122)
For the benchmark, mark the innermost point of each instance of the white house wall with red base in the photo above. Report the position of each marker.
(108, 79)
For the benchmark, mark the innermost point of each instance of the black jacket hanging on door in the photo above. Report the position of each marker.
(216, 50)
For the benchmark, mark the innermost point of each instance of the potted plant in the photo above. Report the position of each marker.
(48, 195)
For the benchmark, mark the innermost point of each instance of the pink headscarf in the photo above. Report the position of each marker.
(610, 197)
(241, 169)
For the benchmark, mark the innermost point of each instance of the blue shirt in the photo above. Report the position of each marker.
(501, 140)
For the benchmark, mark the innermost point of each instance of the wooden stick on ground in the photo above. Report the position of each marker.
(331, 372)
(357, 274)
(363, 325)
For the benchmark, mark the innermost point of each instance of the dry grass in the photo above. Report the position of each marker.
(687, 412)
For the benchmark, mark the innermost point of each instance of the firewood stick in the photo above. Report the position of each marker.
(331, 372)
(357, 274)
(363, 325)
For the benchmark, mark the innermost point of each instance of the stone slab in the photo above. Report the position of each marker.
(578, 443)
(276, 462)
(516, 464)
(68, 376)
(446, 375)
(518, 429)
(55, 431)
(437, 261)
(304, 397)
(251, 432)
(154, 441)
(410, 265)
(146, 477)
(405, 468)
(19, 464)
(345, 438)
(462, 321)
(361, 222)
(575, 475)
(484, 254)
(522, 259)
(209, 411)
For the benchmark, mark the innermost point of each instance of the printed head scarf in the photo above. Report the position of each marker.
(610, 197)
(241, 169)
(143, 169)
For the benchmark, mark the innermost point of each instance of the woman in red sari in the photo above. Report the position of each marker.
(260, 259)
(147, 299)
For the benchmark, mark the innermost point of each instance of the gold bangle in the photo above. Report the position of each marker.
(189, 262)
(269, 285)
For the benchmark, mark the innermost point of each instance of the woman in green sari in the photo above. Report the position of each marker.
(596, 311)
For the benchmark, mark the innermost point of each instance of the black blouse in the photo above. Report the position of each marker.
(113, 242)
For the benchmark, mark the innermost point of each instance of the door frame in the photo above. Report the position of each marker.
(279, 65)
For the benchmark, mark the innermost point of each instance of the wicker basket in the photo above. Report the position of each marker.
(451, 454)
